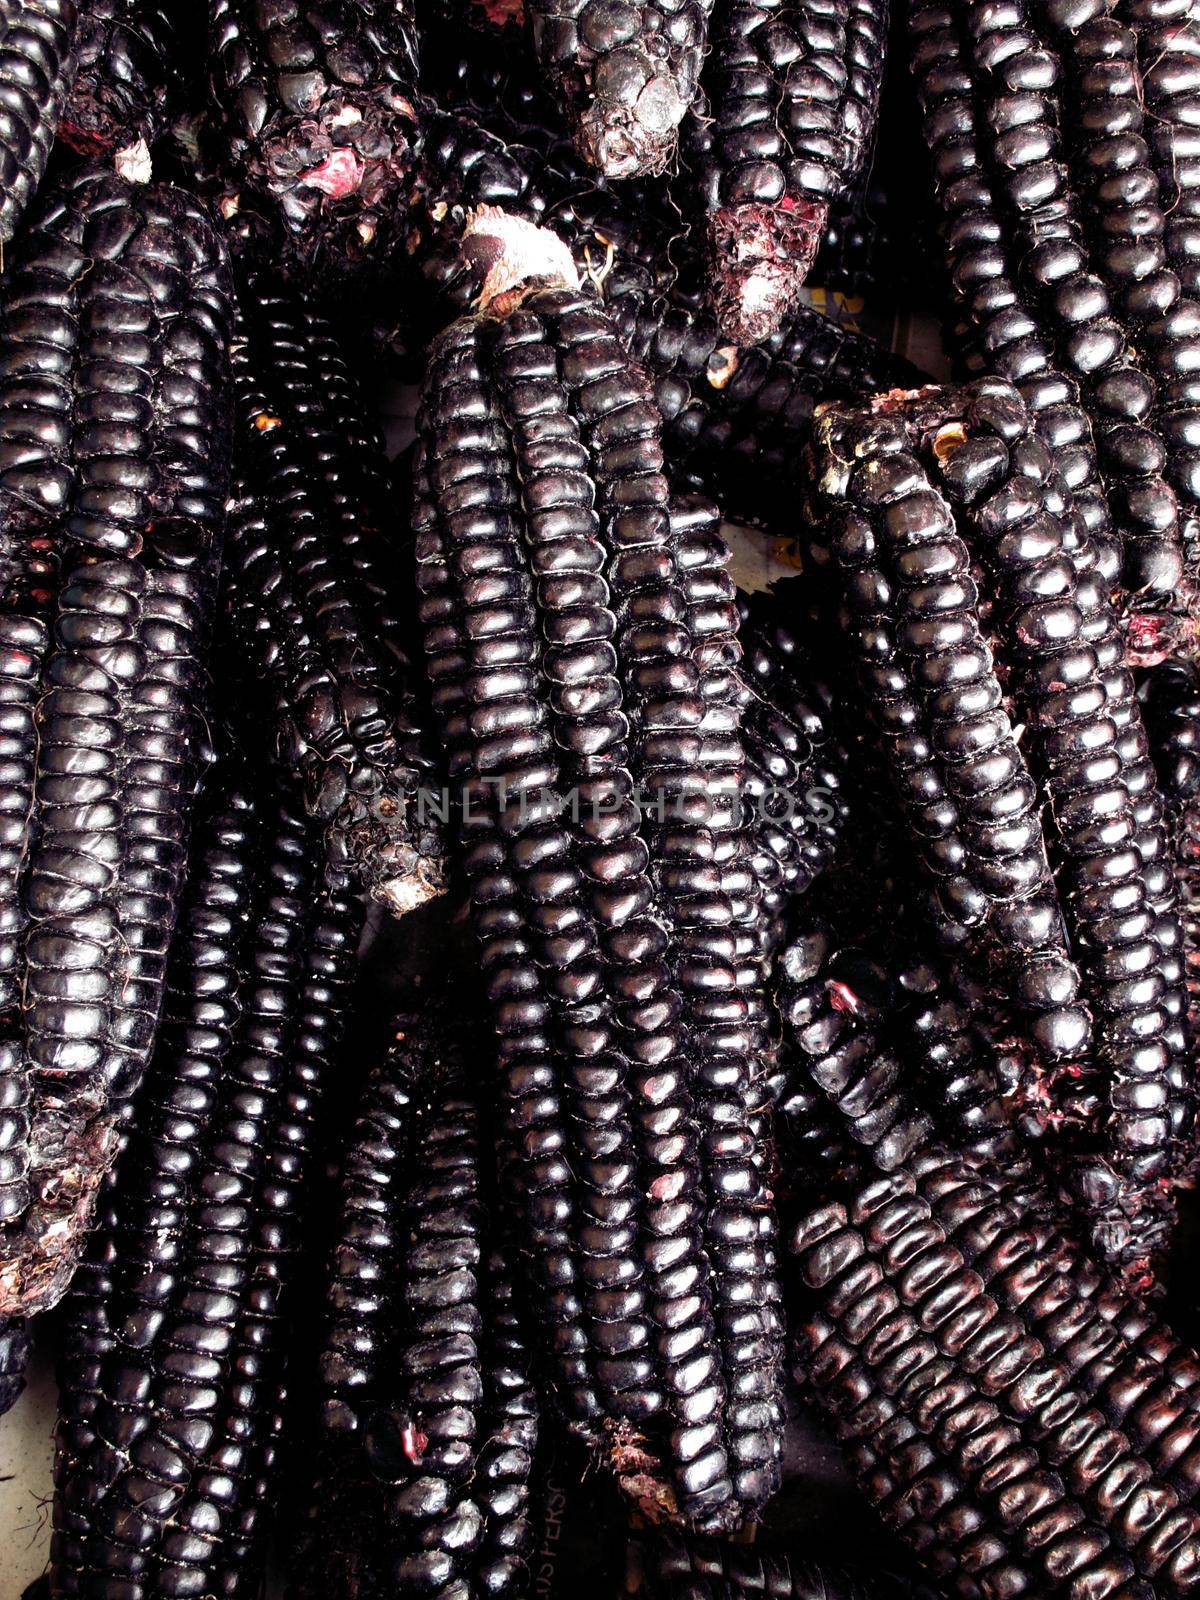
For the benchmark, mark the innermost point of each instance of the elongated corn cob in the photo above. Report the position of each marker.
(114, 334)
(37, 69)
(625, 75)
(318, 117)
(360, 1314)
(1105, 109)
(430, 1418)
(126, 80)
(611, 942)
(1017, 1436)
(311, 593)
(29, 596)
(1106, 219)
(929, 681)
(172, 1374)
(1090, 745)
(788, 120)
(910, 614)
(983, 270)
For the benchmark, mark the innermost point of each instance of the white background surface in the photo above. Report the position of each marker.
(26, 1456)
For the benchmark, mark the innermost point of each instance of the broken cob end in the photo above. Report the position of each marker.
(337, 176)
(399, 861)
(134, 162)
(98, 140)
(512, 257)
(1153, 636)
(759, 258)
(631, 126)
(36, 1267)
(410, 887)
(644, 1483)
(639, 1474)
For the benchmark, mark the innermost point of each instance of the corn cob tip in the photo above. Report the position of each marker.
(35, 1274)
(760, 257)
(514, 255)
(896, 399)
(640, 1475)
(396, 858)
(134, 163)
(631, 127)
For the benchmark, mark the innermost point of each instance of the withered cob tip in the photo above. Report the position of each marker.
(783, 125)
(624, 74)
(632, 128)
(759, 258)
(408, 890)
(318, 113)
(513, 254)
(129, 81)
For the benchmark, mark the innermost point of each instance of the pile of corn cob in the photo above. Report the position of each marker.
(512, 1050)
